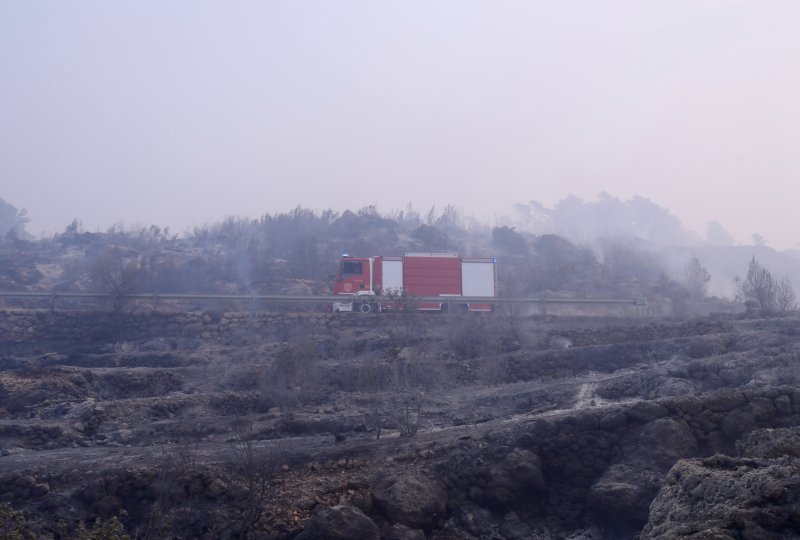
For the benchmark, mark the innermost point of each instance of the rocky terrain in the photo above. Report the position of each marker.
(274, 425)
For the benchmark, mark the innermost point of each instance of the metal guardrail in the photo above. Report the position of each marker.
(156, 297)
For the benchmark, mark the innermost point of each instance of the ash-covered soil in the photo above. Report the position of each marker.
(406, 426)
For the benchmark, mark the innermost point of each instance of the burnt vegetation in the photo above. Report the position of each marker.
(236, 421)
(283, 425)
(295, 253)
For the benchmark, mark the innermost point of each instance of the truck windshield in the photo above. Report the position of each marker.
(351, 268)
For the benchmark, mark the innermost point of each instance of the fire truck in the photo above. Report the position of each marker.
(382, 283)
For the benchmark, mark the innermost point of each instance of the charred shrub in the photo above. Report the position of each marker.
(291, 378)
(467, 336)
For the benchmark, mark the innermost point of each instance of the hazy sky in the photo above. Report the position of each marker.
(183, 112)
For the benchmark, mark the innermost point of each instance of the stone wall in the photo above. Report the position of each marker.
(585, 333)
(608, 465)
(85, 328)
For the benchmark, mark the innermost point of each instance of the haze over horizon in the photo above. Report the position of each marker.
(183, 113)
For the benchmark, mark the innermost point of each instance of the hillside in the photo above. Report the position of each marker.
(297, 252)
(223, 425)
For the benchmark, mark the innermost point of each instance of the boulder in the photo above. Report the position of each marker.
(783, 405)
(40, 490)
(398, 531)
(763, 408)
(513, 528)
(646, 411)
(673, 386)
(623, 494)
(687, 404)
(471, 518)
(724, 400)
(411, 499)
(724, 497)
(717, 443)
(770, 443)
(217, 488)
(738, 422)
(662, 442)
(612, 421)
(621, 497)
(340, 522)
(518, 476)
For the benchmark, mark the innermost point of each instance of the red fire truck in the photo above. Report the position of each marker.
(375, 283)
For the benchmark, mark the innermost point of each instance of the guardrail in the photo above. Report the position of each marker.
(253, 298)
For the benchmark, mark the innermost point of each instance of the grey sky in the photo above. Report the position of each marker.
(179, 113)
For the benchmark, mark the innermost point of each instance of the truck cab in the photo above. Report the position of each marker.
(353, 276)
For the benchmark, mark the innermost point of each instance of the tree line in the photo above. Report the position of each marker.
(296, 252)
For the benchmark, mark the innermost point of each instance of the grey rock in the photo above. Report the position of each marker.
(340, 522)
(40, 490)
(398, 531)
(216, 488)
(471, 518)
(723, 497)
(646, 411)
(783, 404)
(410, 499)
(717, 443)
(762, 408)
(770, 443)
(662, 442)
(612, 421)
(724, 400)
(624, 493)
(513, 528)
(688, 404)
(25, 481)
(738, 422)
(673, 386)
(518, 475)
(362, 500)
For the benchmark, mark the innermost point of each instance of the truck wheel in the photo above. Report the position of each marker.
(365, 308)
